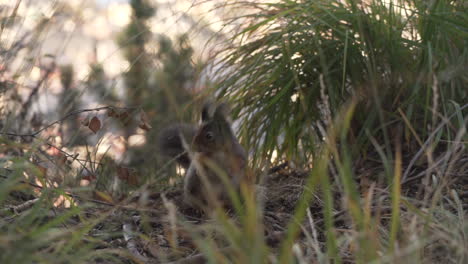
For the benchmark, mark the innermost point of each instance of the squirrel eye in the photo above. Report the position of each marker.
(209, 135)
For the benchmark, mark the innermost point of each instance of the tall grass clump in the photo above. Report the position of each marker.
(408, 56)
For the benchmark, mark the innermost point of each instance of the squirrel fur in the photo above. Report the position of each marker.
(208, 152)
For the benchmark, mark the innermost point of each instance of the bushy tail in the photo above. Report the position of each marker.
(170, 142)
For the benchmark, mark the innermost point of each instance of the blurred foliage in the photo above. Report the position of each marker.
(98, 82)
(69, 101)
(374, 92)
(161, 83)
(133, 40)
(175, 79)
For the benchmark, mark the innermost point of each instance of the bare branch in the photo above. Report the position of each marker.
(35, 90)
(73, 113)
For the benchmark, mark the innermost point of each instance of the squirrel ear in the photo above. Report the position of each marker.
(206, 111)
(222, 112)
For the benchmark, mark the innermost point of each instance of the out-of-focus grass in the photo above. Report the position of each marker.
(45, 233)
(334, 86)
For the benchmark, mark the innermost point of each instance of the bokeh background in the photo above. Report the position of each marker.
(354, 115)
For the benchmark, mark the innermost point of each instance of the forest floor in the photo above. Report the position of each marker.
(166, 235)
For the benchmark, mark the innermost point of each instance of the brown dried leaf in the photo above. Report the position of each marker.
(95, 124)
(102, 196)
(126, 175)
(145, 126)
(144, 123)
(111, 112)
(125, 118)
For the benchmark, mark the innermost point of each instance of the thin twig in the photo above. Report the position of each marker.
(19, 208)
(35, 90)
(127, 230)
(76, 112)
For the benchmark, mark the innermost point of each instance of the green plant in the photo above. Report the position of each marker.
(407, 55)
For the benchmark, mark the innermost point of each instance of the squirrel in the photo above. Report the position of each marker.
(208, 152)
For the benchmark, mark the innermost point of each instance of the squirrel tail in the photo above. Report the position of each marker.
(170, 143)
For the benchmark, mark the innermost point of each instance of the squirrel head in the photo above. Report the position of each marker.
(215, 133)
